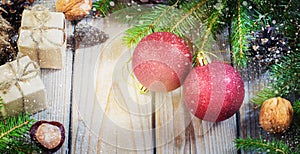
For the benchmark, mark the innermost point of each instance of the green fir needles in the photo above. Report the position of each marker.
(149, 23)
(285, 77)
(14, 136)
(103, 6)
(178, 19)
(296, 107)
(107, 6)
(1, 102)
(240, 30)
(262, 146)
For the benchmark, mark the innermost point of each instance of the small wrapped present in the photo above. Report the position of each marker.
(42, 37)
(21, 87)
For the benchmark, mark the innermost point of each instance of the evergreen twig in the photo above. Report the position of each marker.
(1, 103)
(259, 145)
(187, 15)
(242, 25)
(14, 136)
(171, 19)
(285, 77)
(263, 95)
(201, 54)
(107, 6)
(103, 6)
(149, 24)
(296, 107)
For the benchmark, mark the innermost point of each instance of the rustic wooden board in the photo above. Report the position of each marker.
(249, 116)
(248, 111)
(97, 95)
(109, 114)
(178, 131)
(58, 90)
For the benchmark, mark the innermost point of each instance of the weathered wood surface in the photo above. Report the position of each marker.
(58, 90)
(109, 114)
(178, 131)
(96, 98)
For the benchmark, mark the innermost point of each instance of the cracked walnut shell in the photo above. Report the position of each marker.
(276, 115)
(74, 9)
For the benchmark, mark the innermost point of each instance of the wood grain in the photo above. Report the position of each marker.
(178, 131)
(249, 112)
(97, 94)
(58, 90)
(109, 114)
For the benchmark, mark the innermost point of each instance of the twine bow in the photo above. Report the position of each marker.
(40, 15)
(20, 75)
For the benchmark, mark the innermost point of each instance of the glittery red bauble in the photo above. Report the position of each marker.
(161, 61)
(214, 92)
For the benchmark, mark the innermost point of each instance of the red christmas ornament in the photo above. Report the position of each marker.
(213, 92)
(161, 61)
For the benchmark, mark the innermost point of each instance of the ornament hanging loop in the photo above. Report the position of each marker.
(202, 59)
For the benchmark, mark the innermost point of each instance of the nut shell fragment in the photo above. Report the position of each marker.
(74, 9)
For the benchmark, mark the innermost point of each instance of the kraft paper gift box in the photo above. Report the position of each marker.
(42, 37)
(21, 88)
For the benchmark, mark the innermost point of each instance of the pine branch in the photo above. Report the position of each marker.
(167, 18)
(107, 6)
(14, 136)
(210, 19)
(285, 77)
(1, 102)
(259, 145)
(240, 52)
(241, 27)
(150, 24)
(263, 95)
(286, 74)
(296, 107)
(186, 16)
(202, 53)
(103, 6)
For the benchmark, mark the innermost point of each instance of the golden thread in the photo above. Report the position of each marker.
(41, 28)
(240, 30)
(201, 54)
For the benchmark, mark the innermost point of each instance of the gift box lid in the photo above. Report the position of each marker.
(56, 19)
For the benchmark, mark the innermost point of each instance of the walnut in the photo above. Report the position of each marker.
(276, 115)
(74, 9)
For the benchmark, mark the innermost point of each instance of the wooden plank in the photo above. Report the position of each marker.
(172, 121)
(249, 113)
(178, 131)
(58, 87)
(109, 115)
(249, 121)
